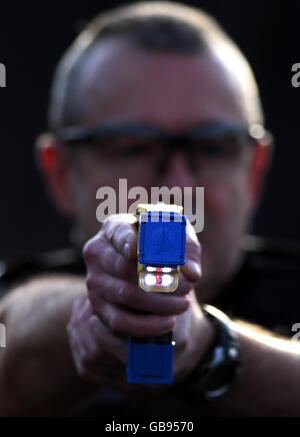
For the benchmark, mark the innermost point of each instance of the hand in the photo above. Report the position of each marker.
(91, 345)
(99, 328)
(193, 335)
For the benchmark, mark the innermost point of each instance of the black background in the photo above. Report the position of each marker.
(33, 36)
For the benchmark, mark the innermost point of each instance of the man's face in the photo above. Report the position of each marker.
(172, 91)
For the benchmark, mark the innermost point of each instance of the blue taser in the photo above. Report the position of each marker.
(161, 252)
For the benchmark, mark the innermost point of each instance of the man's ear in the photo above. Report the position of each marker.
(261, 160)
(56, 168)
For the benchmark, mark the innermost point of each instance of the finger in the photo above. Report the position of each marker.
(116, 291)
(96, 353)
(84, 310)
(80, 338)
(184, 287)
(89, 374)
(106, 251)
(125, 323)
(109, 260)
(76, 345)
(93, 345)
(192, 267)
(77, 304)
(121, 231)
(113, 345)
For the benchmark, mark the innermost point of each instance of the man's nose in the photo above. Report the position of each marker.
(176, 171)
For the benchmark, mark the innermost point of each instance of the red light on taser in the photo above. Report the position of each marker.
(158, 279)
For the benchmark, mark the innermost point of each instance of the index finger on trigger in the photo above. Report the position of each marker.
(121, 231)
(192, 267)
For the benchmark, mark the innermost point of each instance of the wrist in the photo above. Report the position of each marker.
(206, 339)
(217, 369)
(195, 348)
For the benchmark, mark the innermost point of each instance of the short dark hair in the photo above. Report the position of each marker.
(149, 26)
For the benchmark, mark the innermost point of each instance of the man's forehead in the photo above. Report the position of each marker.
(120, 82)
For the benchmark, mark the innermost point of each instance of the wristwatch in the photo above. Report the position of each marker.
(217, 371)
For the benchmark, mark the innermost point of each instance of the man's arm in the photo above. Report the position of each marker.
(37, 374)
(269, 382)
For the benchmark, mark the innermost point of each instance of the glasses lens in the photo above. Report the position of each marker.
(138, 151)
(227, 148)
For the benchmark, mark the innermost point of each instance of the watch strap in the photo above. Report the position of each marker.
(219, 367)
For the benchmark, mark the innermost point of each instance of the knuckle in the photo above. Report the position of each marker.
(116, 232)
(124, 295)
(109, 225)
(93, 281)
(115, 323)
(194, 247)
(102, 241)
(92, 357)
(96, 301)
(89, 250)
(121, 265)
(93, 246)
(97, 354)
(109, 220)
(82, 370)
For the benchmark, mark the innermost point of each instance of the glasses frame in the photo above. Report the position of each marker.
(80, 135)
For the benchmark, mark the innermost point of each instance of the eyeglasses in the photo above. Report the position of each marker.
(137, 146)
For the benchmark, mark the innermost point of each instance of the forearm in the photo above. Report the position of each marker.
(37, 374)
(269, 382)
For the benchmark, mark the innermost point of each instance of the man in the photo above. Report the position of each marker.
(172, 68)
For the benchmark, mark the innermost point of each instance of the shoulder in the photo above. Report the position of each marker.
(25, 267)
(271, 255)
(266, 290)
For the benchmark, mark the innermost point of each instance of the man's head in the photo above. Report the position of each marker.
(171, 67)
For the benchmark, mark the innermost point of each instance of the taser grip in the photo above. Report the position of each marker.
(150, 360)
